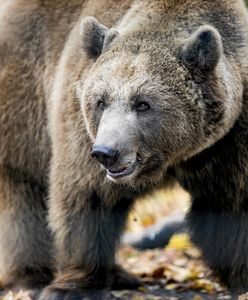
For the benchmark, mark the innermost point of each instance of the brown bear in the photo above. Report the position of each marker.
(93, 115)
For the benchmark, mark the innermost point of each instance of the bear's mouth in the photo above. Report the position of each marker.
(120, 173)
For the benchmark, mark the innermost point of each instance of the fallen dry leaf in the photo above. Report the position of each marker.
(19, 296)
(243, 297)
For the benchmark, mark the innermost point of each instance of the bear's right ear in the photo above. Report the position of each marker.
(203, 49)
(95, 37)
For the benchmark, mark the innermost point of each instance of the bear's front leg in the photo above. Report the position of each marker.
(87, 216)
(222, 237)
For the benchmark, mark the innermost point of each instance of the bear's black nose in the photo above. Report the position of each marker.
(106, 156)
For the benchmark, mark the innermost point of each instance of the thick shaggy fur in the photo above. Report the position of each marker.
(68, 83)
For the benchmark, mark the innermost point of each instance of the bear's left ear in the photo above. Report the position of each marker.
(203, 49)
(95, 37)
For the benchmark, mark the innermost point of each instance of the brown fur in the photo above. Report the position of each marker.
(188, 57)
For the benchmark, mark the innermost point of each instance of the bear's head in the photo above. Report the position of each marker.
(154, 98)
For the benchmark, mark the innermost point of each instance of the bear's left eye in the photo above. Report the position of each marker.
(101, 104)
(142, 106)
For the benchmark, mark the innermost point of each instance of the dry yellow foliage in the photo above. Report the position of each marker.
(148, 210)
(180, 242)
(19, 296)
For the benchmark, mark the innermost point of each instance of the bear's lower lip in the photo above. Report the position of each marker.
(122, 172)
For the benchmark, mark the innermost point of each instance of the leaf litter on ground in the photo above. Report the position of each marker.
(173, 273)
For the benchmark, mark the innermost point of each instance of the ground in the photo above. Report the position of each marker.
(171, 273)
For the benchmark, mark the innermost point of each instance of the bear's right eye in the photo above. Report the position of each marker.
(142, 106)
(101, 104)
